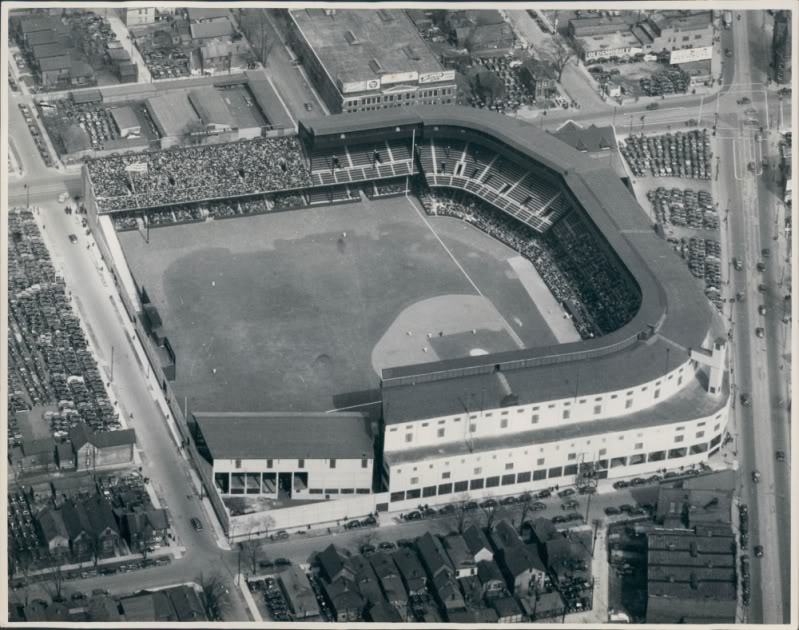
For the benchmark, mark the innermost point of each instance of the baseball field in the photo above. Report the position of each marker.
(300, 310)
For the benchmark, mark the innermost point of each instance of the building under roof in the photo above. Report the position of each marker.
(172, 113)
(126, 121)
(211, 30)
(680, 507)
(207, 14)
(299, 592)
(356, 45)
(211, 107)
(285, 435)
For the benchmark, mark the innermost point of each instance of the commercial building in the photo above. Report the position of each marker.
(138, 16)
(482, 32)
(691, 578)
(781, 47)
(363, 60)
(107, 448)
(126, 121)
(627, 35)
(292, 455)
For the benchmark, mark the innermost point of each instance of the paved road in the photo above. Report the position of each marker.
(762, 428)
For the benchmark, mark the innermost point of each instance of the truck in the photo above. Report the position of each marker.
(727, 19)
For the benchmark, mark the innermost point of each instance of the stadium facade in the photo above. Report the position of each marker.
(650, 394)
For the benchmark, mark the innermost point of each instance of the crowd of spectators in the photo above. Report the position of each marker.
(189, 174)
(124, 221)
(48, 355)
(596, 296)
(284, 201)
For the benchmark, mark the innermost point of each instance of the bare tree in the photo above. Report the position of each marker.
(461, 513)
(214, 595)
(491, 512)
(255, 25)
(253, 552)
(560, 54)
(54, 585)
(194, 131)
(22, 562)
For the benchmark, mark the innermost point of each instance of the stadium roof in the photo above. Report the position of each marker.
(286, 435)
(690, 403)
(210, 106)
(360, 44)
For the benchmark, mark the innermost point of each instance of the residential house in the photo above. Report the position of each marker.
(42, 37)
(72, 487)
(105, 448)
(79, 529)
(447, 592)
(128, 72)
(333, 564)
(460, 557)
(223, 56)
(491, 579)
(54, 532)
(149, 606)
(202, 15)
(411, 571)
(433, 557)
(35, 456)
(481, 32)
(65, 456)
(383, 612)
(390, 580)
(508, 610)
(345, 601)
(103, 608)
(366, 580)
(138, 16)
(81, 73)
(472, 589)
(299, 593)
(206, 31)
(539, 77)
(45, 51)
(144, 529)
(186, 603)
(518, 567)
(478, 544)
(103, 524)
(27, 26)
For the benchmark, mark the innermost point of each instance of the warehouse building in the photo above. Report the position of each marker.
(362, 60)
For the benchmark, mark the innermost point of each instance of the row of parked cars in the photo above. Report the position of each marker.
(37, 136)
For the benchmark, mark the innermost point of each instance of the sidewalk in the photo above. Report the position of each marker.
(175, 552)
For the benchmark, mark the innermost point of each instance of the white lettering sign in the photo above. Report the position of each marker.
(373, 84)
(353, 86)
(687, 55)
(436, 77)
(398, 77)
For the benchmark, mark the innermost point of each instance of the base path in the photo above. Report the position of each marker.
(560, 325)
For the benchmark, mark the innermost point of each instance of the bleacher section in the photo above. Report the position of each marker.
(493, 178)
(361, 163)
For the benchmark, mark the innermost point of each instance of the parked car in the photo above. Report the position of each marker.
(570, 505)
(471, 505)
(619, 485)
(746, 400)
(357, 524)
(760, 332)
(266, 564)
(281, 535)
(387, 546)
(525, 498)
(369, 520)
(738, 264)
(626, 508)
(489, 503)
(761, 266)
(415, 515)
(368, 549)
(638, 481)
(759, 551)
(544, 494)
(538, 506)
(508, 500)
(567, 492)
(780, 456)
(653, 106)
(447, 509)
(612, 510)
(196, 524)
(282, 562)
(761, 309)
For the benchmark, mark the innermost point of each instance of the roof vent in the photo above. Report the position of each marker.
(374, 64)
(410, 53)
(385, 15)
(351, 39)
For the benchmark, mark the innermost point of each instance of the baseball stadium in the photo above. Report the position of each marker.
(462, 282)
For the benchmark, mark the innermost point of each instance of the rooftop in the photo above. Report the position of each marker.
(210, 106)
(286, 435)
(211, 30)
(591, 139)
(125, 117)
(356, 45)
(197, 14)
(172, 113)
(609, 41)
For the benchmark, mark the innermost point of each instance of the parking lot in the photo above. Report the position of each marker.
(684, 154)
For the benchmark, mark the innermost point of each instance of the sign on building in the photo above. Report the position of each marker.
(687, 55)
(353, 86)
(437, 77)
(399, 77)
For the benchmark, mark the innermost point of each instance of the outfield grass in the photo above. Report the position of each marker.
(296, 309)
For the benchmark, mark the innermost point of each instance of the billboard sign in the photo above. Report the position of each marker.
(353, 86)
(437, 77)
(687, 55)
(399, 77)
(373, 84)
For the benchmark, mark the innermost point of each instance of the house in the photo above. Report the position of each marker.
(45, 51)
(143, 529)
(472, 589)
(383, 612)
(36, 455)
(478, 544)
(366, 580)
(79, 530)
(128, 72)
(346, 603)
(201, 15)
(299, 593)
(508, 610)
(42, 37)
(72, 487)
(186, 603)
(411, 571)
(491, 579)
(459, 556)
(433, 557)
(204, 31)
(333, 564)
(126, 121)
(103, 608)
(539, 77)
(81, 73)
(54, 532)
(447, 592)
(391, 582)
(103, 525)
(223, 56)
(517, 566)
(149, 606)
(480, 31)
(106, 448)
(544, 531)
(138, 16)
(65, 456)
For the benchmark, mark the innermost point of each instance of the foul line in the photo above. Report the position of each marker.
(376, 402)
(516, 339)
(446, 249)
